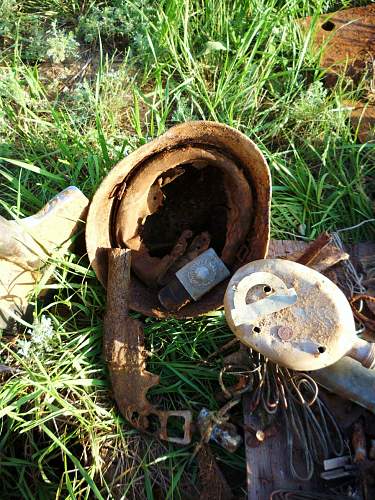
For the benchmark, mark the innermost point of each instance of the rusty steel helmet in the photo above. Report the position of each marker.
(202, 177)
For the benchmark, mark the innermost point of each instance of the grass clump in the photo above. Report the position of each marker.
(138, 70)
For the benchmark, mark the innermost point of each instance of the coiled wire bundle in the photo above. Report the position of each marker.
(312, 432)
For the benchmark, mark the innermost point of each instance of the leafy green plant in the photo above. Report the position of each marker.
(60, 44)
(119, 22)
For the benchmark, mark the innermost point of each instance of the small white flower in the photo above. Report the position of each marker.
(42, 332)
(24, 347)
(42, 336)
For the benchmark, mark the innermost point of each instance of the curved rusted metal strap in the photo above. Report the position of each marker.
(368, 322)
(125, 354)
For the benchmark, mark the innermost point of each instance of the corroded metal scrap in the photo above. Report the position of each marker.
(158, 271)
(320, 258)
(314, 250)
(359, 442)
(125, 354)
(362, 118)
(347, 41)
(152, 270)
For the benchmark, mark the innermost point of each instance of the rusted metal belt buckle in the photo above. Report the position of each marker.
(164, 417)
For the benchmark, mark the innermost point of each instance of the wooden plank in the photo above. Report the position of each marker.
(267, 464)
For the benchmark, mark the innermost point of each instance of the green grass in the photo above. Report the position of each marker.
(244, 63)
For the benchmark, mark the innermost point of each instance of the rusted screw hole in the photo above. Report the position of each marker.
(285, 333)
(322, 349)
(267, 289)
(328, 26)
(256, 329)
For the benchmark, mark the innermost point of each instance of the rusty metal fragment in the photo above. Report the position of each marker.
(347, 41)
(213, 483)
(327, 256)
(126, 356)
(244, 382)
(314, 249)
(199, 244)
(362, 118)
(359, 442)
(152, 270)
(157, 271)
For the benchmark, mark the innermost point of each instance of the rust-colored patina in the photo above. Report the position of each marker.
(126, 357)
(202, 177)
(214, 486)
(347, 40)
(359, 442)
(362, 119)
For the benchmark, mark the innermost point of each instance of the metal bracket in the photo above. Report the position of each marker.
(278, 297)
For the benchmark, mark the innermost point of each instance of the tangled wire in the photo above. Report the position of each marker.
(308, 421)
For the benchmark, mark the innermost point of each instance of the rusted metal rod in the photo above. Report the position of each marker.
(313, 250)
